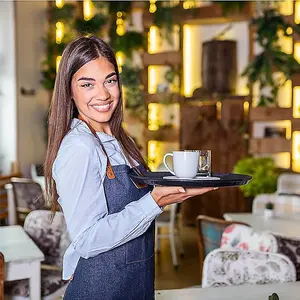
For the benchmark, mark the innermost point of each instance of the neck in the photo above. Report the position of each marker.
(96, 127)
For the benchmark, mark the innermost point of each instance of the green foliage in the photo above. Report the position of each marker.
(261, 68)
(264, 175)
(231, 6)
(91, 26)
(269, 205)
(131, 79)
(274, 296)
(66, 13)
(131, 40)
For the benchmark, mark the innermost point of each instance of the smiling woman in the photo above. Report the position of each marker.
(96, 93)
(109, 219)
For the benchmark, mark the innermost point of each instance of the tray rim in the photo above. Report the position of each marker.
(193, 183)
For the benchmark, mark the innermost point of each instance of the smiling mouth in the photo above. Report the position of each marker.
(103, 107)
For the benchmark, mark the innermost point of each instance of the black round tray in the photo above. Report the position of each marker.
(156, 178)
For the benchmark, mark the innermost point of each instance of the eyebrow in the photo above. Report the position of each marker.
(93, 79)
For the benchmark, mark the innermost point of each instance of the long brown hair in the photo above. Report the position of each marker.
(63, 109)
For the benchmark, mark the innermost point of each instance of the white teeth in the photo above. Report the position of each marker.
(101, 106)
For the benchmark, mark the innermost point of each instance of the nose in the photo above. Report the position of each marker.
(102, 94)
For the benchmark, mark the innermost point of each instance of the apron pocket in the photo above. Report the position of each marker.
(139, 249)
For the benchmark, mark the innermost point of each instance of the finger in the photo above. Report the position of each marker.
(169, 190)
(197, 191)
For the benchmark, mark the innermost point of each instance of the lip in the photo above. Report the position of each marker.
(102, 107)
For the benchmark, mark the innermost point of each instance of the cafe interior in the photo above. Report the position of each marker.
(222, 76)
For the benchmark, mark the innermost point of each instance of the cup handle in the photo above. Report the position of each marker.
(165, 163)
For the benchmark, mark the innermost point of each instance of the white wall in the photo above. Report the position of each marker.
(8, 122)
(31, 26)
(203, 33)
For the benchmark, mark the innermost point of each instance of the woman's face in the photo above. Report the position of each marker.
(96, 93)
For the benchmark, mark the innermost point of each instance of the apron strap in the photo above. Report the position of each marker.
(109, 170)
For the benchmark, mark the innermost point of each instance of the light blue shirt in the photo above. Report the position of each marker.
(79, 171)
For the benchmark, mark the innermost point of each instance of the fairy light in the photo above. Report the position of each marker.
(59, 3)
(58, 59)
(152, 7)
(88, 10)
(188, 4)
(120, 56)
(120, 23)
(60, 29)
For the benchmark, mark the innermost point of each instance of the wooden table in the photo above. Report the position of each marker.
(22, 258)
(285, 291)
(287, 225)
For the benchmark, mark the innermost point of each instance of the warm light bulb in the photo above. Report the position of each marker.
(58, 59)
(60, 28)
(88, 10)
(59, 3)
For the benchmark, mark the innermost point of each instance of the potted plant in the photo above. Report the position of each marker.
(264, 176)
(269, 24)
(269, 210)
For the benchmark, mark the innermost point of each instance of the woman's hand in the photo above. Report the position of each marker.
(164, 195)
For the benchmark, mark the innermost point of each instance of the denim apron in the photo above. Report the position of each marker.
(123, 273)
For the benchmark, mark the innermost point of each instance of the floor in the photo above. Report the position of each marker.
(187, 274)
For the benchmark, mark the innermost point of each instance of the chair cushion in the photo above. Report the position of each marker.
(50, 282)
(243, 237)
(225, 267)
(290, 248)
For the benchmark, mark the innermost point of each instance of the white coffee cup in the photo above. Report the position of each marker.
(185, 163)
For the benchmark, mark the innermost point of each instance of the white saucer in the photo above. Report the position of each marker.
(195, 178)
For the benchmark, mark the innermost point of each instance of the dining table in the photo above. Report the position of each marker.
(22, 258)
(284, 224)
(285, 291)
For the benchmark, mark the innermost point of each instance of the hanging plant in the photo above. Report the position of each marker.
(131, 79)
(91, 26)
(231, 6)
(272, 57)
(66, 13)
(128, 42)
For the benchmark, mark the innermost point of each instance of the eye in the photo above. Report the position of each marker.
(87, 85)
(111, 81)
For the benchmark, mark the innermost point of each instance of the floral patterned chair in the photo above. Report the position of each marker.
(290, 248)
(1, 276)
(245, 238)
(28, 196)
(53, 240)
(209, 234)
(225, 267)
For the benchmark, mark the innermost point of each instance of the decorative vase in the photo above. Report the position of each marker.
(268, 213)
(219, 66)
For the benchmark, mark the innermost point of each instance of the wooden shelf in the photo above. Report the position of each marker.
(210, 14)
(269, 145)
(296, 124)
(213, 99)
(162, 58)
(296, 79)
(163, 134)
(158, 98)
(270, 113)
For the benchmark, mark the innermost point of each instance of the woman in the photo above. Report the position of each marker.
(109, 219)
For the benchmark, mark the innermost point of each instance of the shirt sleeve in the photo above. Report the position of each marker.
(77, 173)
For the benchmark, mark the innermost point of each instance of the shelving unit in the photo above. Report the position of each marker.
(277, 115)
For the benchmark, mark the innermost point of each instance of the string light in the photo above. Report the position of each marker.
(120, 56)
(59, 3)
(188, 4)
(60, 28)
(58, 59)
(88, 10)
(152, 7)
(120, 23)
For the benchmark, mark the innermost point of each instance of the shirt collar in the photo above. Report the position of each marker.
(104, 137)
